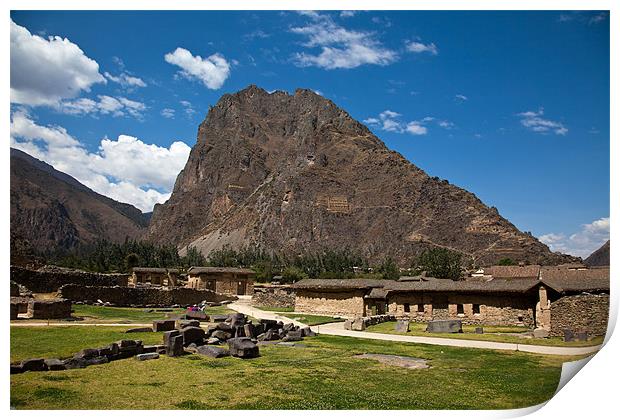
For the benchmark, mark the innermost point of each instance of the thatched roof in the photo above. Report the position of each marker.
(215, 270)
(154, 270)
(338, 284)
(512, 271)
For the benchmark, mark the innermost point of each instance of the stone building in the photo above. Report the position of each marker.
(153, 277)
(554, 300)
(224, 280)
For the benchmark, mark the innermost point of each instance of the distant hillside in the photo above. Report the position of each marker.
(52, 211)
(599, 257)
(296, 174)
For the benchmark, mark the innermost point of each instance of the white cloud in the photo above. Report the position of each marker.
(588, 239)
(126, 80)
(126, 169)
(419, 47)
(188, 107)
(390, 121)
(347, 13)
(106, 105)
(340, 48)
(168, 113)
(460, 97)
(534, 121)
(416, 128)
(45, 71)
(211, 71)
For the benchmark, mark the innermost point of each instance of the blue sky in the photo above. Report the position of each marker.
(512, 106)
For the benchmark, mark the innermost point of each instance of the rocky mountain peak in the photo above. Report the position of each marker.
(296, 173)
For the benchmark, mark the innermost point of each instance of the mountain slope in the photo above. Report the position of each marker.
(600, 257)
(295, 173)
(51, 210)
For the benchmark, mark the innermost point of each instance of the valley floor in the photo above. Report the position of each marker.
(321, 373)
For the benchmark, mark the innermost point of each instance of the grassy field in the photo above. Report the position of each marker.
(310, 319)
(491, 333)
(321, 375)
(115, 315)
(275, 309)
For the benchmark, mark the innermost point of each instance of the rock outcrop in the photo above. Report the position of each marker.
(295, 173)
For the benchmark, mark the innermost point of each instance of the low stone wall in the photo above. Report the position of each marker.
(125, 296)
(49, 309)
(348, 304)
(274, 296)
(48, 279)
(580, 313)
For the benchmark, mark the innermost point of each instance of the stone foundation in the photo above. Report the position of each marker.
(126, 296)
(273, 296)
(48, 279)
(49, 309)
(580, 313)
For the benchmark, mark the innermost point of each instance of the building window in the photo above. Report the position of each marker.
(476, 308)
(407, 309)
(420, 308)
(459, 309)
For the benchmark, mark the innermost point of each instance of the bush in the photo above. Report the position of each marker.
(292, 274)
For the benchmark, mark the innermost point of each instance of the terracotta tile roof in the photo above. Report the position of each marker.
(512, 271)
(213, 270)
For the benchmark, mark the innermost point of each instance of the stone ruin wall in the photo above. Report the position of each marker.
(126, 296)
(348, 304)
(580, 313)
(273, 296)
(494, 310)
(49, 309)
(47, 280)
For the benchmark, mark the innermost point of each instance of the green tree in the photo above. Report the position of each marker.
(291, 274)
(506, 261)
(389, 269)
(441, 263)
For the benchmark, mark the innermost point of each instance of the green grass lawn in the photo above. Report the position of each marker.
(310, 319)
(275, 309)
(490, 334)
(113, 315)
(322, 375)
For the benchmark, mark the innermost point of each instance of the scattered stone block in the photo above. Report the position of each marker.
(139, 330)
(87, 353)
(242, 347)
(174, 347)
(55, 364)
(569, 336)
(163, 325)
(348, 324)
(212, 351)
(402, 326)
(16, 369)
(239, 331)
(147, 356)
(248, 330)
(213, 341)
(219, 318)
(14, 310)
(225, 326)
(110, 350)
(35, 365)
(307, 332)
(540, 333)
(479, 330)
(582, 336)
(445, 326)
(197, 315)
(81, 363)
(221, 335)
(192, 335)
(180, 324)
(237, 319)
(358, 324)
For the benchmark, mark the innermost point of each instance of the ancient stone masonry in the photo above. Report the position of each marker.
(361, 323)
(580, 313)
(126, 296)
(49, 278)
(49, 309)
(348, 304)
(273, 296)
